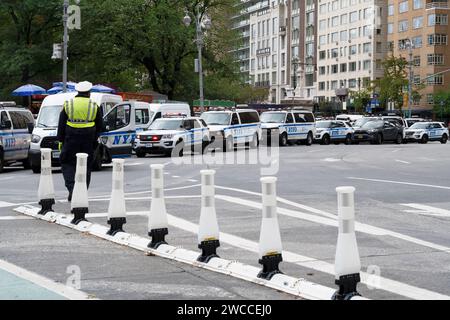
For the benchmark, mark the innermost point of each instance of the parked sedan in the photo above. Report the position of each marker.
(376, 132)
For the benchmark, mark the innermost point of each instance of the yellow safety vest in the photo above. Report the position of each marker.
(81, 113)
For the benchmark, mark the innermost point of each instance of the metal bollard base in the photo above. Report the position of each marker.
(270, 266)
(209, 250)
(116, 226)
(46, 206)
(158, 237)
(80, 215)
(347, 287)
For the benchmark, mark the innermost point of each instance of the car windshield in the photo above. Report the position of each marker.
(373, 125)
(420, 125)
(49, 117)
(323, 124)
(163, 124)
(397, 121)
(216, 118)
(412, 122)
(363, 121)
(273, 117)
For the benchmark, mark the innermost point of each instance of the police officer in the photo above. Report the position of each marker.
(80, 124)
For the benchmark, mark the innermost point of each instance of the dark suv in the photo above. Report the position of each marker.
(376, 132)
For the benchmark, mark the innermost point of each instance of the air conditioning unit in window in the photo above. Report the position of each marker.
(349, 40)
(370, 36)
(370, 54)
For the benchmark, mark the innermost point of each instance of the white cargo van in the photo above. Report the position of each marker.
(45, 131)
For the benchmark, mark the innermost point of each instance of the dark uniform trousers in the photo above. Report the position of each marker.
(77, 141)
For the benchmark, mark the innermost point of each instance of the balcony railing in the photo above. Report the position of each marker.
(437, 5)
(262, 84)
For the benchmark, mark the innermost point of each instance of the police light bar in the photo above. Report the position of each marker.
(174, 115)
(7, 104)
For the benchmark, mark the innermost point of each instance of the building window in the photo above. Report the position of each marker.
(344, 19)
(416, 80)
(274, 60)
(323, 24)
(416, 61)
(322, 40)
(390, 46)
(344, 35)
(334, 69)
(353, 50)
(437, 19)
(321, 86)
(435, 80)
(321, 71)
(391, 10)
(390, 28)
(378, 64)
(417, 42)
(367, 47)
(417, 22)
(366, 31)
(335, 37)
(367, 64)
(323, 8)
(354, 16)
(352, 66)
(437, 39)
(403, 26)
(335, 5)
(430, 98)
(353, 33)
(352, 83)
(322, 55)
(435, 59)
(335, 21)
(343, 67)
(403, 7)
(367, 13)
(344, 4)
(417, 4)
(334, 53)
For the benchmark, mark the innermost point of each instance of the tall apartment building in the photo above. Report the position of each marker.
(351, 45)
(424, 23)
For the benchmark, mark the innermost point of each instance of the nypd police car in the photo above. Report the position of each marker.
(427, 131)
(233, 127)
(172, 135)
(333, 131)
(291, 126)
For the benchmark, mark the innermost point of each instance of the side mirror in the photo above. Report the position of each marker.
(6, 124)
(30, 127)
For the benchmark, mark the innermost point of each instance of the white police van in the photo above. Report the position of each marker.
(16, 125)
(233, 127)
(427, 131)
(172, 136)
(291, 126)
(333, 131)
(45, 132)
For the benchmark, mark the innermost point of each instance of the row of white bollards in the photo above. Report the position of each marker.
(347, 262)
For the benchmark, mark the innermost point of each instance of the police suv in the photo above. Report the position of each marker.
(16, 125)
(291, 126)
(172, 135)
(427, 131)
(233, 127)
(333, 131)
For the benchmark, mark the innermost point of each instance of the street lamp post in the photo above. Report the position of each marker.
(65, 43)
(411, 78)
(201, 22)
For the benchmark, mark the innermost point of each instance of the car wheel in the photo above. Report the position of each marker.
(205, 145)
(399, 139)
(2, 162)
(424, 139)
(379, 139)
(140, 154)
(309, 139)
(444, 139)
(348, 139)
(179, 149)
(326, 140)
(283, 140)
(26, 164)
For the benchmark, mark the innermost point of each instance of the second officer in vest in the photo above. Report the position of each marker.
(80, 124)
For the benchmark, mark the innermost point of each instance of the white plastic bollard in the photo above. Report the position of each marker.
(80, 202)
(117, 212)
(347, 262)
(270, 246)
(208, 234)
(158, 224)
(46, 191)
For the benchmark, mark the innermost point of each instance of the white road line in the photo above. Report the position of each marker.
(404, 162)
(426, 210)
(149, 191)
(6, 204)
(192, 180)
(393, 286)
(141, 198)
(60, 289)
(176, 177)
(331, 160)
(360, 227)
(401, 182)
(11, 218)
(396, 150)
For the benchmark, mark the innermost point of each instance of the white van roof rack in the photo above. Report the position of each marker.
(7, 104)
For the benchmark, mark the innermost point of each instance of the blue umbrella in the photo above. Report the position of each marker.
(56, 90)
(102, 89)
(28, 90)
(70, 84)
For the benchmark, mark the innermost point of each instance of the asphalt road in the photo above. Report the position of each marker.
(402, 201)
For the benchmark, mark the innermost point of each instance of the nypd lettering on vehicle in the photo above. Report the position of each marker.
(335, 133)
(242, 132)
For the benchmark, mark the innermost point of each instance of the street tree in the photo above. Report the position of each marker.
(360, 99)
(442, 105)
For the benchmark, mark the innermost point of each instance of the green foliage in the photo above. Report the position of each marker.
(360, 99)
(442, 104)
